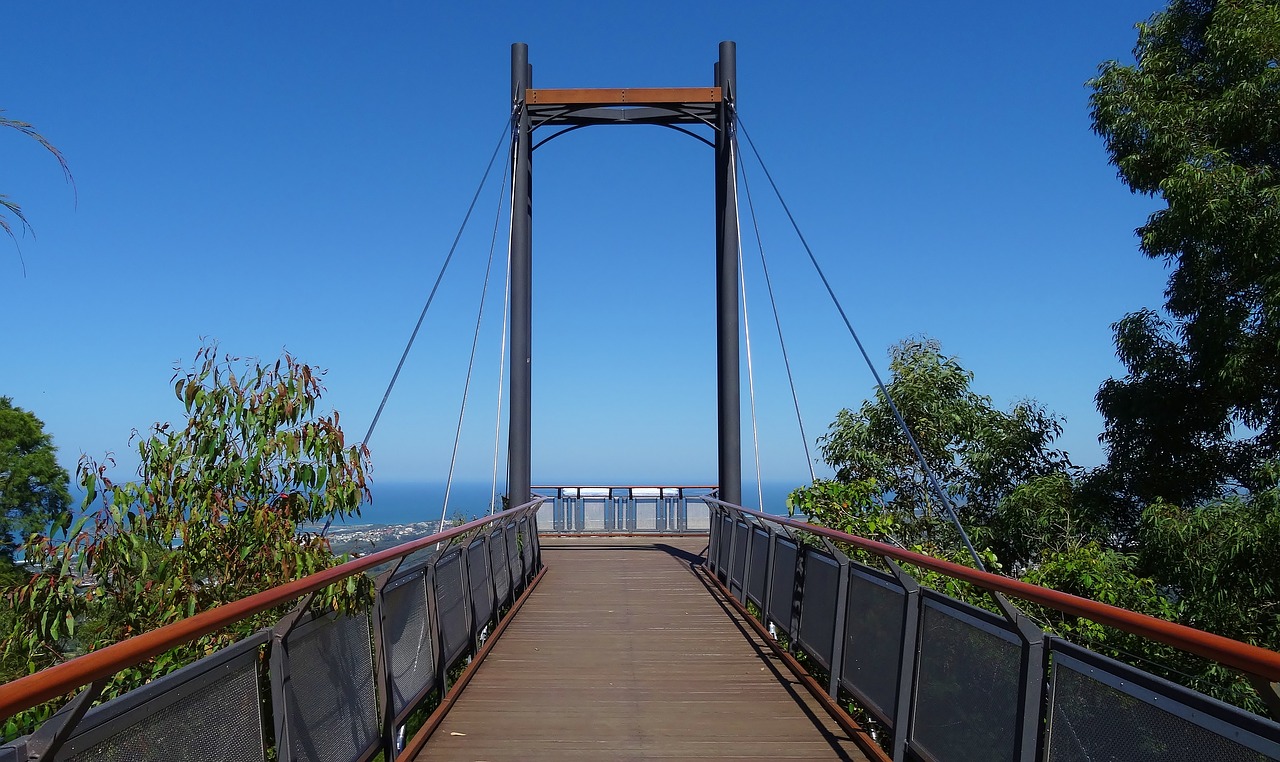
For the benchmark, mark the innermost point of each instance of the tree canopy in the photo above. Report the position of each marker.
(221, 509)
(981, 453)
(33, 487)
(1196, 121)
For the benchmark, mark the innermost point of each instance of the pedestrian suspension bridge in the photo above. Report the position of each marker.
(646, 622)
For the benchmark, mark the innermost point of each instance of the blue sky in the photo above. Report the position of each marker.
(290, 176)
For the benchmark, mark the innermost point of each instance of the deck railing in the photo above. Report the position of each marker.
(334, 687)
(951, 681)
(624, 509)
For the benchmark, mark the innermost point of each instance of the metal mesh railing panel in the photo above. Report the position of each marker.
(407, 629)
(451, 606)
(220, 720)
(1092, 720)
(514, 562)
(739, 560)
(591, 512)
(967, 688)
(873, 642)
(527, 545)
(478, 580)
(818, 606)
(724, 540)
(501, 574)
(758, 570)
(697, 516)
(552, 512)
(646, 513)
(782, 589)
(332, 710)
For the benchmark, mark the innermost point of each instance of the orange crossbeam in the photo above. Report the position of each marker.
(622, 96)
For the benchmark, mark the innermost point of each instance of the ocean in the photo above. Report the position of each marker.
(409, 502)
(412, 502)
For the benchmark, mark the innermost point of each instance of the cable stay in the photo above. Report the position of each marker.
(502, 352)
(507, 130)
(746, 329)
(777, 321)
(930, 476)
(475, 341)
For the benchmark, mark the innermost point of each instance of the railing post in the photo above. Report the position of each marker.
(839, 625)
(44, 743)
(1269, 691)
(767, 602)
(713, 539)
(907, 666)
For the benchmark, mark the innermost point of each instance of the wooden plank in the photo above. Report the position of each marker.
(622, 653)
(624, 96)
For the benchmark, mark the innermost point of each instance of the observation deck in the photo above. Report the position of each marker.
(657, 623)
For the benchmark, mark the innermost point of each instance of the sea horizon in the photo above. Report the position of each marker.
(409, 502)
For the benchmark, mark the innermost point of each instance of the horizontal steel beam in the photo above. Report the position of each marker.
(621, 96)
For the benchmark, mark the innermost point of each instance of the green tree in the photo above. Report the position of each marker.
(978, 451)
(1196, 122)
(33, 487)
(9, 205)
(219, 511)
(1220, 561)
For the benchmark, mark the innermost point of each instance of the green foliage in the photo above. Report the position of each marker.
(1196, 122)
(846, 506)
(33, 487)
(1214, 567)
(1222, 560)
(979, 452)
(215, 515)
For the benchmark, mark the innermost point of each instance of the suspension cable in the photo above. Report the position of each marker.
(475, 341)
(502, 351)
(902, 424)
(746, 330)
(777, 321)
(506, 130)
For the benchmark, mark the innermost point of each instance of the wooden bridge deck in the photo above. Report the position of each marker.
(623, 652)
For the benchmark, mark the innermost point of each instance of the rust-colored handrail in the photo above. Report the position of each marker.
(63, 678)
(1249, 659)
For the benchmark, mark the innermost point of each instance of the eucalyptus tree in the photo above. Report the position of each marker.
(1195, 122)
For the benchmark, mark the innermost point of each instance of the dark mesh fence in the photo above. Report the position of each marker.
(407, 630)
(451, 606)
(528, 544)
(967, 685)
(208, 710)
(758, 571)
(782, 589)
(739, 561)
(478, 581)
(1100, 710)
(818, 605)
(873, 641)
(501, 574)
(514, 563)
(329, 691)
(724, 542)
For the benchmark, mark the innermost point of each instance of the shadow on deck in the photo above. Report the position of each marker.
(624, 652)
